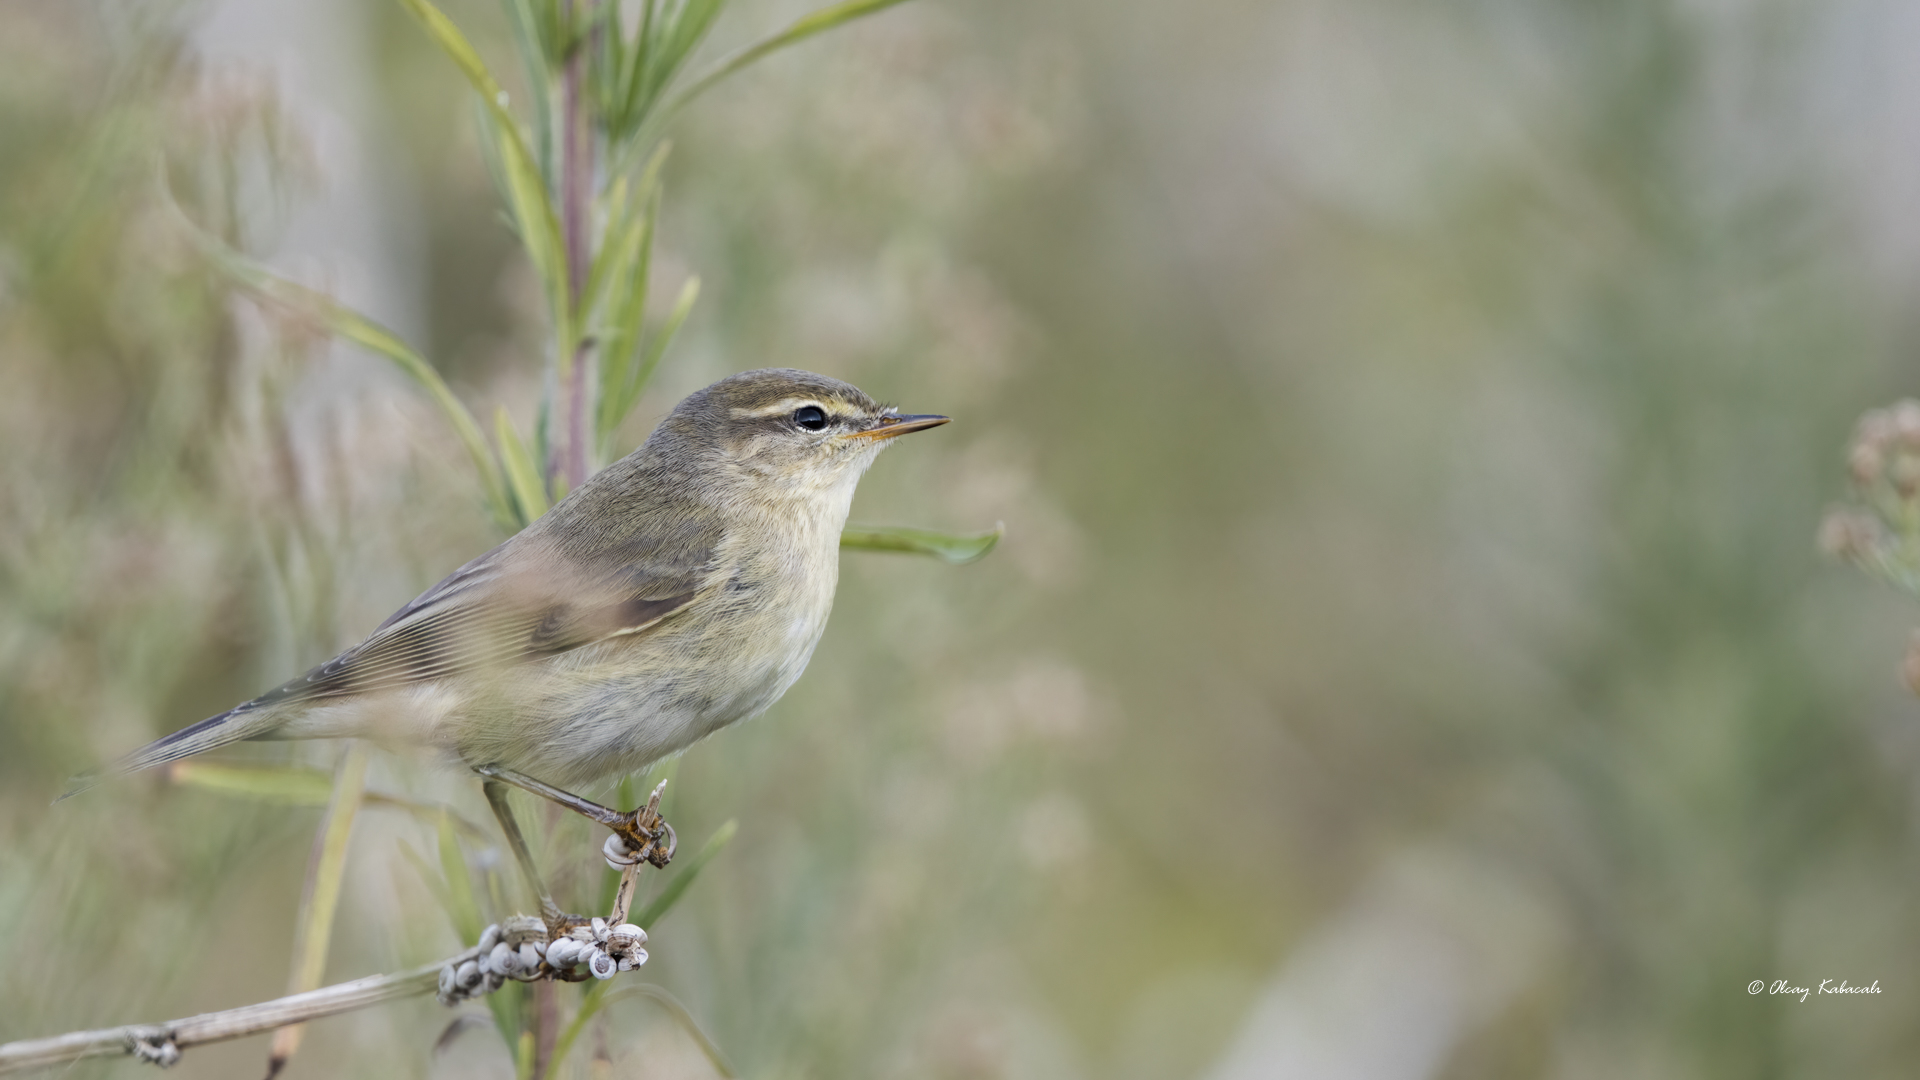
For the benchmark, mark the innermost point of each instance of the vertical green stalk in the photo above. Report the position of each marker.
(321, 897)
(576, 200)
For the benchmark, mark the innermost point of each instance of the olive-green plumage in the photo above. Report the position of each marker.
(677, 591)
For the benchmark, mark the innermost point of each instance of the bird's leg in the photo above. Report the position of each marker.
(496, 791)
(570, 948)
(637, 835)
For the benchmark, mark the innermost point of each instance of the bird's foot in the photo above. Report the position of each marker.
(556, 945)
(641, 836)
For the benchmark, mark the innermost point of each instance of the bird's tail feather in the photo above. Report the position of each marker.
(249, 721)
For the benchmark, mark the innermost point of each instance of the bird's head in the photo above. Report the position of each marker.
(802, 432)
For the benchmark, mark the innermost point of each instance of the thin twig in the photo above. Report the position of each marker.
(649, 820)
(623, 896)
(321, 898)
(152, 1041)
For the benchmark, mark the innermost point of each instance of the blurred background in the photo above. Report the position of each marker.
(1409, 655)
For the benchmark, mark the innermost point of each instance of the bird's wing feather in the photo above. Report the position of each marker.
(516, 603)
(496, 612)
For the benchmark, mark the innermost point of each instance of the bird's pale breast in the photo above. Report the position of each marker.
(618, 706)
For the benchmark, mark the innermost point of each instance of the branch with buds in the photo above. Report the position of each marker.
(517, 949)
(1879, 531)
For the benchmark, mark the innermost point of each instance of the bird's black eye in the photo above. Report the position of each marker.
(810, 417)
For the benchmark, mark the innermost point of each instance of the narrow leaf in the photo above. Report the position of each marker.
(670, 895)
(657, 345)
(321, 898)
(295, 787)
(523, 1056)
(630, 212)
(371, 335)
(455, 1028)
(534, 39)
(526, 184)
(429, 877)
(689, 28)
(954, 548)
(424, 810)
(805, 27)
(668, 37)
(616, 209)
(599, 998)
(649, 359)
(343, 322)
(462, 909)
(523, 475)
(621, 339)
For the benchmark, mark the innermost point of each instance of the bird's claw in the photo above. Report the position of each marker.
(630, 848)
(641, 836)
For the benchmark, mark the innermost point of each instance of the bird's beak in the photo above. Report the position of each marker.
(891, 426)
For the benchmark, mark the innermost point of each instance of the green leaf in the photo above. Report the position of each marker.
(670, 895)
(330, 860)
(526, 185)
(523, 1056)
(616, 209)
(294, 787)
(366, 333)
(629, 210)
(805, 27)
(343, 322)
(429, 877)
(954, 548)
(320, 900)
(599, 998)
(666, 39)
(536, 39)
(523, 474)
(268, 783)
(640, 371)
(688, 29)
(620, 335)
(462, 909)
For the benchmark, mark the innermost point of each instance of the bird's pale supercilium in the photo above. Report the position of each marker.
(679, 590)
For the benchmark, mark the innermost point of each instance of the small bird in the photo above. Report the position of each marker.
(677, 591)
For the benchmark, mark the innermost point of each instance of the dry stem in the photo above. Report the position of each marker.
(162, 1043)
(149, 1041)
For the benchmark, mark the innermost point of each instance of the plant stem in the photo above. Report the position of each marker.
(576, 198)
(321, 898)
(623, 895)
(227, 1024)
(576, 468)
(546, 1026)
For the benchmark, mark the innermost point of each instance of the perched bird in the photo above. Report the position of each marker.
(679, 590)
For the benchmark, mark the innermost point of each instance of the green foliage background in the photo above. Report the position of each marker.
(1411, 421)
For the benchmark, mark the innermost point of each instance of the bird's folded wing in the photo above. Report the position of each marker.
(502, 609)
(515, 603)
